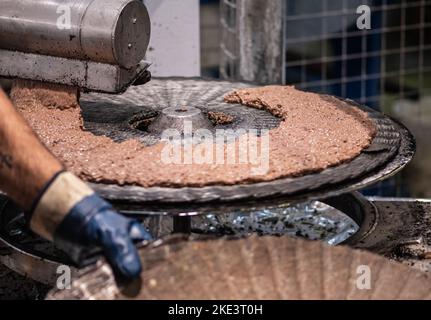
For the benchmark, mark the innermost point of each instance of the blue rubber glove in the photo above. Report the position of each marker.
(93, 222)
(69, 213)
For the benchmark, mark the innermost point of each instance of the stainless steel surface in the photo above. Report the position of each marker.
(181, 119)
(311, 220)
(362, 211)
(116, 116)
(95, 45)
(87, 75)
(107, 31)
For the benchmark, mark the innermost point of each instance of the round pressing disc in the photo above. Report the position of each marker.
(391, 148)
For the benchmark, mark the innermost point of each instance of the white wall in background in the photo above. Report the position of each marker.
(175, 40)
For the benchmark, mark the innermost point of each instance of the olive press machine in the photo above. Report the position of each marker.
(99, 46)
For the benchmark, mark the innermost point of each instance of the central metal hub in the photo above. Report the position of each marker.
(181, 119)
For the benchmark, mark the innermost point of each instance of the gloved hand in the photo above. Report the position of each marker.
(74, 217)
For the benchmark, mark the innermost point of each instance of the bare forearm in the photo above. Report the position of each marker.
(25, 164)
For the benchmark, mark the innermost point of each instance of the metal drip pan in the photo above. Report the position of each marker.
(343, 219)
(313, 221)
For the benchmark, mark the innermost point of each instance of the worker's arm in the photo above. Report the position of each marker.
(60, 206)
(25, 165)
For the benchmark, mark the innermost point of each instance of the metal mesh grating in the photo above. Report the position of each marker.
(326, 52)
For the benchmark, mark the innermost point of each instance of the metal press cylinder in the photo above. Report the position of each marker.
(108, 31)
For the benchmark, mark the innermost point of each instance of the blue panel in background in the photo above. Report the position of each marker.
(344, 74)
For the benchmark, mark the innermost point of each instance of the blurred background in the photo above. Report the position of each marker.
(314, 45)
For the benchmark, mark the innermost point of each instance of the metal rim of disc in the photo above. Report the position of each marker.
(392, 148)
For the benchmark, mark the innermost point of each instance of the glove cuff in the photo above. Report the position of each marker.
(29, 213)
(61, 194)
